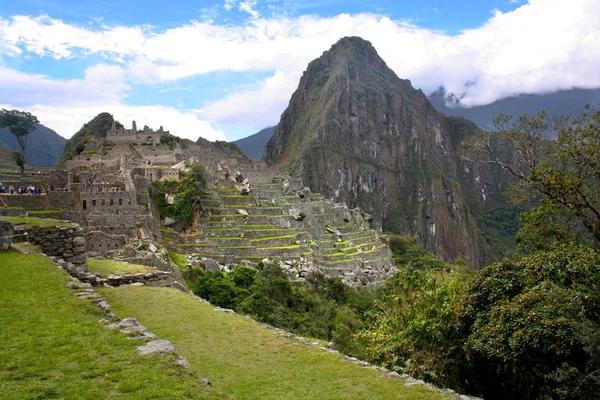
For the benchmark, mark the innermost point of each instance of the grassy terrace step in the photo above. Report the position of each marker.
(239, 219)
(364, 245)
(250, 233)
(238, 200)
(242, 252)
(262, 240)
(43, 222)
(252, 210)
(246, 361)
(53, 346)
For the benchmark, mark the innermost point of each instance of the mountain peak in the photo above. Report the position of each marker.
(351, 50)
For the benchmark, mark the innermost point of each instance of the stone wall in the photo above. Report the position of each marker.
(53, 201)
(113, 202)
(63, 242)
(158, 278)
(102, 242)
(6, 233)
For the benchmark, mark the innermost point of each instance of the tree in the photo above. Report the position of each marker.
(532, 326)
(187, 192)
(564, 173)
(20, 124)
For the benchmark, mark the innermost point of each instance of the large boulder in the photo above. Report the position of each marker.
(6, 233)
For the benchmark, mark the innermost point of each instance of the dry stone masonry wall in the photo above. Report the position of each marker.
(63, 242)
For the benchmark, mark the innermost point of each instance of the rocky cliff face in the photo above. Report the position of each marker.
(356, 132)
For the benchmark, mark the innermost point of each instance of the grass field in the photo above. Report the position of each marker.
(247, 361)
(53, 347)
(111, 267)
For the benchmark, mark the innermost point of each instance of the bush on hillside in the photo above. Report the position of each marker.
(532, 326)
(320, 307)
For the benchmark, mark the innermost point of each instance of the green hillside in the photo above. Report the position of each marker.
(54, 347)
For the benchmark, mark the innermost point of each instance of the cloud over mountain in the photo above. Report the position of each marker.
(542, 46)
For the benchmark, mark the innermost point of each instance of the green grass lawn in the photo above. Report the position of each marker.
(178, 259)
(43, 222)
(247, 361)
(111, 267)
(53, 347)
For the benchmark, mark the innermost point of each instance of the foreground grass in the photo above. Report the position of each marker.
(52, 345)
(247, 361)
(111, 267)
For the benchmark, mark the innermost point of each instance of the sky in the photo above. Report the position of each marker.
(225, 69)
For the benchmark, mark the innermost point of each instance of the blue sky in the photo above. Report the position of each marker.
(226, 69)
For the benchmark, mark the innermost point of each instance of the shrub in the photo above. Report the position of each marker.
(533, 326)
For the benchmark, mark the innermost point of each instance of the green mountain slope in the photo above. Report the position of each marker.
(356, 132)
(44, 146)
(93, 131)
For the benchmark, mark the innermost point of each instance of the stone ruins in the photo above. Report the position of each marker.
(251, 213)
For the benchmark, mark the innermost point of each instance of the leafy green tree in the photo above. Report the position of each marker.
(532, 326)
(20, 124)
(564, 173)
(413, 328)
(187, 191)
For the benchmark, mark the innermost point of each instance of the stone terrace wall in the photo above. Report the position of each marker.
(67, 242)
(52, 201)
(102, 242)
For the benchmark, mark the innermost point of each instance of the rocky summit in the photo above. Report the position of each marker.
(357, 133)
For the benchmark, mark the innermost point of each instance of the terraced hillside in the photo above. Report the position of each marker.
(284, 221)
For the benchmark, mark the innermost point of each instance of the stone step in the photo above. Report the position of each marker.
(269, 241)
(278, 220)
(246, 252)
(248, 200)
(11, 211)
(253, 210)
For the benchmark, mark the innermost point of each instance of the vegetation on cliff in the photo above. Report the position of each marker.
(95, 129)
(180, 199)
(562, 174)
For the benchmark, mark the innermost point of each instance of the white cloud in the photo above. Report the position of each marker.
(248, 6)
(542, 46)
(255, 108)
(65, 105)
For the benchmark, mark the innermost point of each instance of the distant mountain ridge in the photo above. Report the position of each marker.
(565, 102)
(44, 146)
(254, 145)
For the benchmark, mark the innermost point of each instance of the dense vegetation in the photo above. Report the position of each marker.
(96, 128)
(323, 307)
(180, 199)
